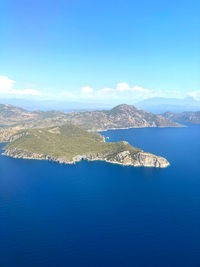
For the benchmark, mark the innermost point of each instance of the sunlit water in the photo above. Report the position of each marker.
(99, 214)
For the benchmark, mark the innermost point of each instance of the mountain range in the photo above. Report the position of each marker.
(122, 116)
(155, 104)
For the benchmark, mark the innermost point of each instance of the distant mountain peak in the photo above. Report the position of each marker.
(121, 116)
(124, 107)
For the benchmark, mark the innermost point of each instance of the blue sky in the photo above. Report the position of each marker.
(99, 51)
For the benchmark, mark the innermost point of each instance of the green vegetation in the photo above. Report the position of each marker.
(67, 141)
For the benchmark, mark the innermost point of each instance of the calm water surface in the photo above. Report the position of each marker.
(99, 214)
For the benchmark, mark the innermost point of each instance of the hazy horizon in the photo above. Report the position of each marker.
(99, 52)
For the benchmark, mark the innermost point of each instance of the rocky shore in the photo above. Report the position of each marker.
(125, 158)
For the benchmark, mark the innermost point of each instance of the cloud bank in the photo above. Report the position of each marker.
(121, 93)
(6, 88)
(127, 94)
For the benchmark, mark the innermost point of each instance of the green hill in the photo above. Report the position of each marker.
(67, 141)
(69, 144)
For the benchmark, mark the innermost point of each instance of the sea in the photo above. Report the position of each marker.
(101, 214)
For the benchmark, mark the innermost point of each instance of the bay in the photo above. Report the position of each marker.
(100, 214)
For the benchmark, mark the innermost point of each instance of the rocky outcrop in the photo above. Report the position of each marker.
(148, 160)
(7, 134)
(125, 158)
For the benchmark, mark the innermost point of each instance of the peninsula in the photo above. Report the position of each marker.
(69, 144)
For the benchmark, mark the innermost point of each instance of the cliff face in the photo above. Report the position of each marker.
(149, 160)
(125, 158)
(6, 134)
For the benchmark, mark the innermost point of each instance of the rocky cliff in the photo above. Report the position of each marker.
(125, 158)
(69, 144)
(6, 134)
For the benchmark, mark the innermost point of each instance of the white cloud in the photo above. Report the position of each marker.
(123, 87)
(87, 90)
(6, 84)
(194, 94)
(125, 93)
(6, 88)
(122, 92)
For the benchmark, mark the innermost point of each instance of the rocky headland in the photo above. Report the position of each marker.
(71, 137)
(70, 144)
(125, 158)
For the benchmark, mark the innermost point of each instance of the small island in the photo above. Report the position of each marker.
(69, 144)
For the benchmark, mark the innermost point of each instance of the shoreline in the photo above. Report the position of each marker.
(137, 127)
(124, 158)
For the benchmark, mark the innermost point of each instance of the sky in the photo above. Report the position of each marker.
(99, 51)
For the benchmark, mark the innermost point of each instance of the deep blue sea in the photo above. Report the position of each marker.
(100, 214)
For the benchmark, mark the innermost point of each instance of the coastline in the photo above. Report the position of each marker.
(138, 159)
(137, 127)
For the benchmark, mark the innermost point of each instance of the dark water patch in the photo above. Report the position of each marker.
(99, 214)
